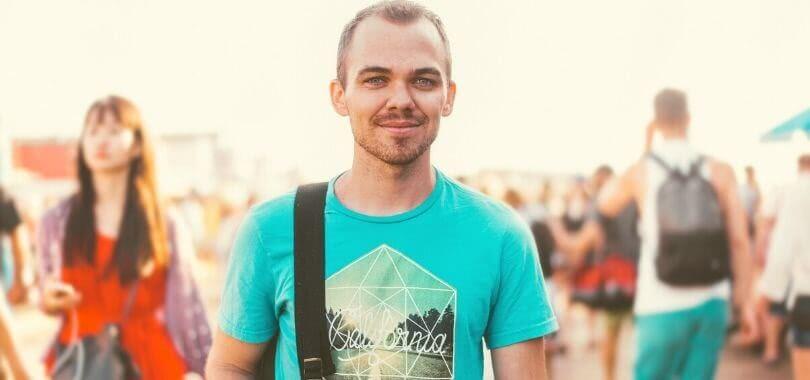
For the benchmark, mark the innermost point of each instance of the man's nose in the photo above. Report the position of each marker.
(400, 97)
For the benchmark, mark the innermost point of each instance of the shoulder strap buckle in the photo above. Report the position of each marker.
(312, 369)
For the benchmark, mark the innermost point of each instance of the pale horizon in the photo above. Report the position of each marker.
(542, 86)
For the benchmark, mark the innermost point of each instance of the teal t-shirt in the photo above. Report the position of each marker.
(408, 296)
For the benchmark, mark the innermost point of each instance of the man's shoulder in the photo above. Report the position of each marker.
(479, 207)
(274, 212)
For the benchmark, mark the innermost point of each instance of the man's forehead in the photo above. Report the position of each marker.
(382, 43)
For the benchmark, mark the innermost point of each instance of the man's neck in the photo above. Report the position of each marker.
(673, 135)
(373, 187)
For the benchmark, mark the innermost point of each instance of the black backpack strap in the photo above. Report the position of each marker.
(314, 356)
(660, 161)
(694, 170)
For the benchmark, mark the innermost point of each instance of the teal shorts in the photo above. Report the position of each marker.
(683, 344)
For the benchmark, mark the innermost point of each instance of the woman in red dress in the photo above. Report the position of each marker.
(116, 247)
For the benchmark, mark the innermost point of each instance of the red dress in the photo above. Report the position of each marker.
(143, 335)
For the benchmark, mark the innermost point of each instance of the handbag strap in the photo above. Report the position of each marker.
(133, 291)
(314, 355)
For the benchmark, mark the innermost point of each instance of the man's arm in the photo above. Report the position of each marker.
(619, 192)
(520, 361)
(232, 359)
(736, 229)
(575, 246)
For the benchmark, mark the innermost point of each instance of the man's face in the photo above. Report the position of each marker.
(396, 88)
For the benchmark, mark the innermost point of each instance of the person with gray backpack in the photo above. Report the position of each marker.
(693, 242)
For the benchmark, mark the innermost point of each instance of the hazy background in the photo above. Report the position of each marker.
(547, 86)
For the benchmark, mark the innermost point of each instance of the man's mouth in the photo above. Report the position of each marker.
(400, 128)
(399, 124)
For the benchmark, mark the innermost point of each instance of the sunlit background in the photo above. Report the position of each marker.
(543, 86)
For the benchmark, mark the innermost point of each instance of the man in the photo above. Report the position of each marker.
(418, 268)
(786, 278)
(615, 240)
(681, 328)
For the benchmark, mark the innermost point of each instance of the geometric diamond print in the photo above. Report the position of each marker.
(390, 318)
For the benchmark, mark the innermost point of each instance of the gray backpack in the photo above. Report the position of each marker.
(693, 247)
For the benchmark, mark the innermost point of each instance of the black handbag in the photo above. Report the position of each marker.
(314, 354)
(99, 356)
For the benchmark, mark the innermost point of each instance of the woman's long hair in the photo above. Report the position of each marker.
(142, 238)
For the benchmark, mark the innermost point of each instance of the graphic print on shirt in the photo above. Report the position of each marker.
(389, 318)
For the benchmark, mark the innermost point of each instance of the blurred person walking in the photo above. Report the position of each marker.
(786, 278)
(615, 242)
(694, 237)
(114, 266)
(580, 273)
(11, 226)
(770, 319)
(537, 217)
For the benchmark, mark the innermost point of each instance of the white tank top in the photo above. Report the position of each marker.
(652, 295)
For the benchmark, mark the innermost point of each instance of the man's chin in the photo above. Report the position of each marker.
(396, 156)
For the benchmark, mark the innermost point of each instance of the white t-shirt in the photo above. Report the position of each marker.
(653, 295)
(787, 271)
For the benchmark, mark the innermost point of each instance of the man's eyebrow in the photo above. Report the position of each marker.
(427, 71)
(374, 69)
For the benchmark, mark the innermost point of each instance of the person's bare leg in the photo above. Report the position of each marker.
(593, 332)
(7, 344)
(610, 345)
(773, 334)
(801, 363)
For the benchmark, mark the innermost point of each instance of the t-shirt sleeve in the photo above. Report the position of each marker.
(247, 311)
(522, 308)
(9, 216)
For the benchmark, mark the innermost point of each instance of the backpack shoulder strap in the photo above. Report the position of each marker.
(314, 356)
(660, 161)
(694, 170)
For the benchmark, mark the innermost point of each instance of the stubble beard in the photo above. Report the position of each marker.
(401, 153)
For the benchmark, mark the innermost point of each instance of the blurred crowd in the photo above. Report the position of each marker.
(589, 231)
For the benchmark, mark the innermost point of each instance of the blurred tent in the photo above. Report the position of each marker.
(799, 124)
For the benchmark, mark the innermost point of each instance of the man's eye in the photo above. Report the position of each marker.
(376, 81)
(423, 82)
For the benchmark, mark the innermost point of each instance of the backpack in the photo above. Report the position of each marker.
(693, 248)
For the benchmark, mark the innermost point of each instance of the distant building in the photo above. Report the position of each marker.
(47, 159)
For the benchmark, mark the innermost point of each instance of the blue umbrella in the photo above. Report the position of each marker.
(785, 131)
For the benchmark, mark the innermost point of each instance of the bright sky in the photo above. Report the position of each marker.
(553, 86)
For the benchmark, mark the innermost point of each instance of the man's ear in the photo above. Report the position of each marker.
(338, 97)
(447, 109)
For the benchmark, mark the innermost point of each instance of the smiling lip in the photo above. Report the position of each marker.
(399, 127)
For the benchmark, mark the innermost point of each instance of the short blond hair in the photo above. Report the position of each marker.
(396, 11)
